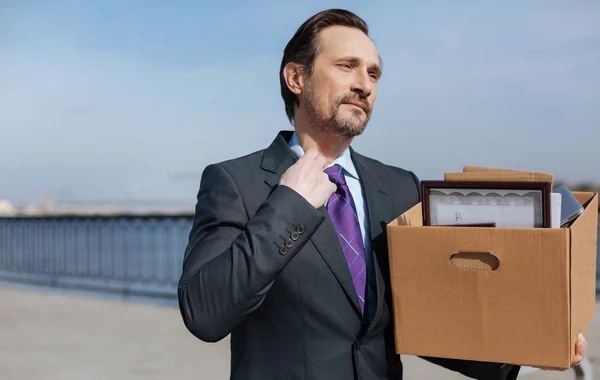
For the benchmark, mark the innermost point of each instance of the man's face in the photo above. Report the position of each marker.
(339, 95)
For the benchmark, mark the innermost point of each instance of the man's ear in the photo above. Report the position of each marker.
(293, 75)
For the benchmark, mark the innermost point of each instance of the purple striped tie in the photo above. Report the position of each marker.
(342, 211)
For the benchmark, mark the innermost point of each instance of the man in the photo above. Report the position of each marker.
(288, 252)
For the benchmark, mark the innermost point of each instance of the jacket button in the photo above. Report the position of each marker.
(300, 229)
(283, 250)
(359, 345)
(289, 243)
(295, 236)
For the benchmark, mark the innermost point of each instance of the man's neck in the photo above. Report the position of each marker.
(329, 146)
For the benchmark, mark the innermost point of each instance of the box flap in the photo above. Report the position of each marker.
(584, 240)
(471, 168)
(583, 196)
(412, 217)
(498, 176)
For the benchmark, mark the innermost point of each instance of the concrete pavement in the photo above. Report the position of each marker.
(51, 336)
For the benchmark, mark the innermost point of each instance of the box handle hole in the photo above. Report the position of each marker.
(474, 261)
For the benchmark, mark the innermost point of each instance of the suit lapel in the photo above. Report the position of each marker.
(276, 160)
(327, 244)
(279, 157)
(376, 193)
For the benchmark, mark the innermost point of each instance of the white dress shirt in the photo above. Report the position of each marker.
(354, 185)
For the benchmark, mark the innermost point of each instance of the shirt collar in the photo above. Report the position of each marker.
(344, 159)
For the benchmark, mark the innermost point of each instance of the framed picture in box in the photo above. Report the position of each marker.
(502, 204)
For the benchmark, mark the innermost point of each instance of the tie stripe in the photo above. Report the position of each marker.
(345, 221)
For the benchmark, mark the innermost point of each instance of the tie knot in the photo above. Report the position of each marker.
(336, 175)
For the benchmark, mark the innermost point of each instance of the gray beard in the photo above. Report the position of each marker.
(331, 124)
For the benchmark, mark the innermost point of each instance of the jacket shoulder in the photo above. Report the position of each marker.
(237, 164)
(392, 173)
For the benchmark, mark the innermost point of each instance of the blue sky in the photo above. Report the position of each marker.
(132, 99)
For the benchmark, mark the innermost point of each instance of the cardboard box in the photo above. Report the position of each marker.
(498, 176)
(479, 173)
(509, 295)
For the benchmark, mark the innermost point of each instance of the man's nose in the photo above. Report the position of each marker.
(362, 84)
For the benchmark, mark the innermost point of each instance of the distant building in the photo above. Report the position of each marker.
(6, 208)
(91, 209)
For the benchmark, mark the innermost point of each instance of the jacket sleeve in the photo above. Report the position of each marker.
(478, 370)
(232, 258)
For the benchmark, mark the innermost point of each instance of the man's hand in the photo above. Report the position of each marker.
(580, 351)
(307, 178)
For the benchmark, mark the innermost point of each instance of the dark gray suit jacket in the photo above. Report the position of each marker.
(291, 309)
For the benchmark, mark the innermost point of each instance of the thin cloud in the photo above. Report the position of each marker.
(138, 108)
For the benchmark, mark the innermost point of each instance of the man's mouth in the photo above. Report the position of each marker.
(357, 104)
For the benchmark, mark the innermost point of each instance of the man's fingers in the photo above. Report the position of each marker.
(320, 161)
(581, 344)
(580, 348)
(333, 187)
(311, 154)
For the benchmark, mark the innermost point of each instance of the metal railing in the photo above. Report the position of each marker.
(137, 255)
(127, 254)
